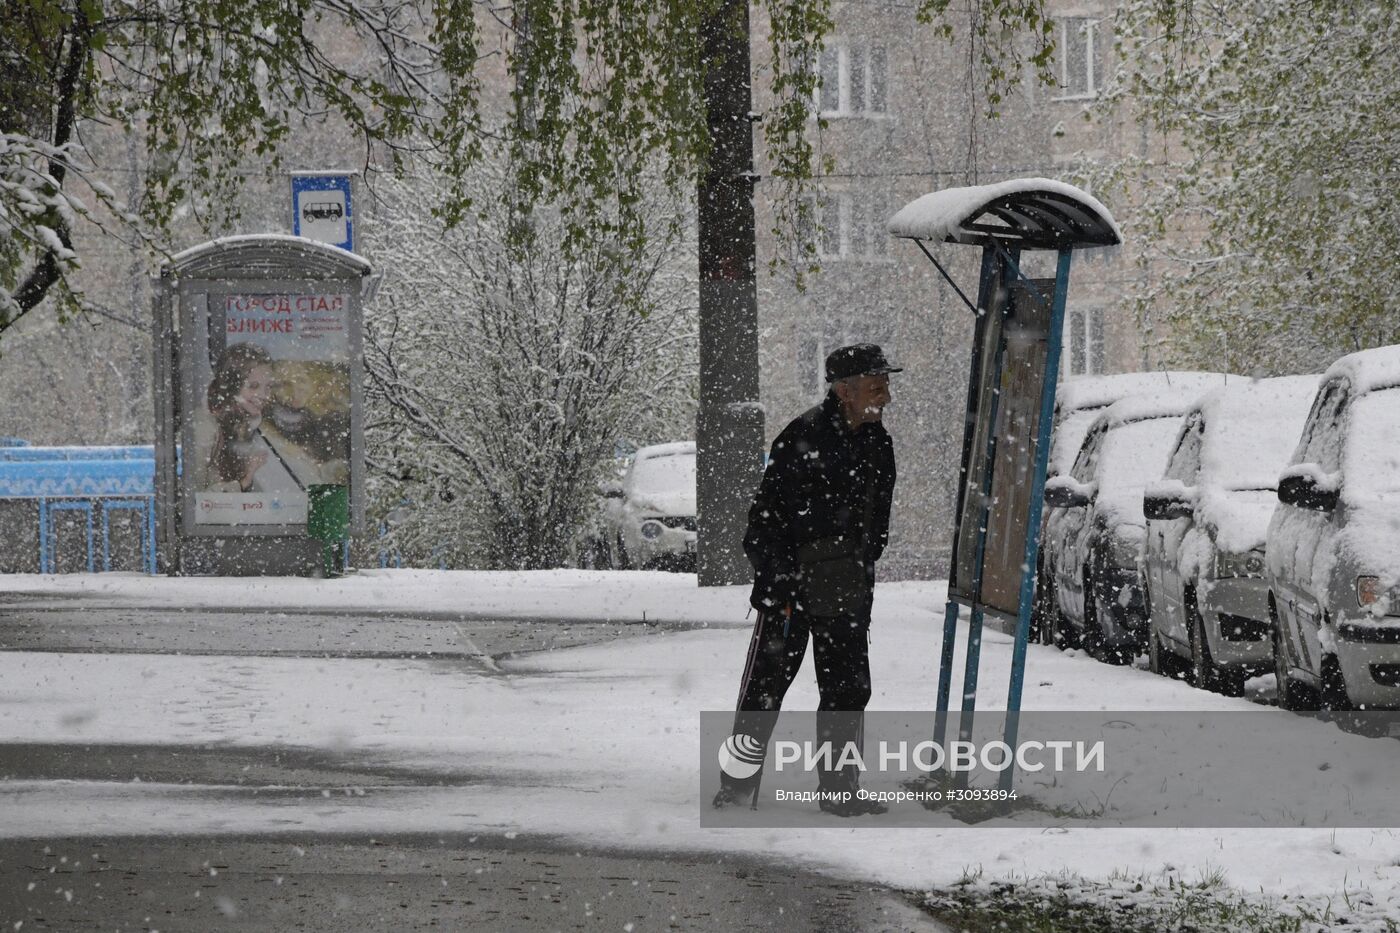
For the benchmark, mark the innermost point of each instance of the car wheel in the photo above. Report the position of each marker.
(1161, 659)
(1204, 672)
(1291, 694)
(1091, 640)
(1062, 634)
(623, 561)
(1109, 655)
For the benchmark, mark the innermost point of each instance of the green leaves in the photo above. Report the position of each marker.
(588, 95)
(997, 29)
(1268, 234)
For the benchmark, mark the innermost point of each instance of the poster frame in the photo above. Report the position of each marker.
(194, 312)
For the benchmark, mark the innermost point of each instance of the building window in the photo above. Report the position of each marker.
(1075, 43)
(1083, 347)
(850, 226)
(853, 79)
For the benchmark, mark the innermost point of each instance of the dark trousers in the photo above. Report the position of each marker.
(841, 656)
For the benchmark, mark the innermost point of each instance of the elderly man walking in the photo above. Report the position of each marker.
(818, 524)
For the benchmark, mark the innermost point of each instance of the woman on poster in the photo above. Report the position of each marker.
(248, 452)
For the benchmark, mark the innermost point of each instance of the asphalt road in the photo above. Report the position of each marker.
(340, 883)
(414, 883)
(32, 626)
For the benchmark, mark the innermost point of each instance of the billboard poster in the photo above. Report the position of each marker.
(271, 406)
(1010, 371)
(1027, 333)
(962, 580)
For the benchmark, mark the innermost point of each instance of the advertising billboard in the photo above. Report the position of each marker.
(1014, 333)
(271, 406)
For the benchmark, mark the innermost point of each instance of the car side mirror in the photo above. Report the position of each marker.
(610, 490)
(1167, 501)
(1305, 486)
(1065, 492)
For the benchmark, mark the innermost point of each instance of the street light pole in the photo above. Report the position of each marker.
(729, 425)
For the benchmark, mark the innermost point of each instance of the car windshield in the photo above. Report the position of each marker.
(1372, 464)
(1069, 437)
(667, 473)
(1135, 454)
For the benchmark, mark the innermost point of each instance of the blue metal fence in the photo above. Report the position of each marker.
(41, 485)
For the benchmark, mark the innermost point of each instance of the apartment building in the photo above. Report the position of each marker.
(904, 116)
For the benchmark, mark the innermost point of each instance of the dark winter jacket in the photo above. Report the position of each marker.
(813, 488)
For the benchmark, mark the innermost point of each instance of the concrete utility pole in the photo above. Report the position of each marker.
(729, 426)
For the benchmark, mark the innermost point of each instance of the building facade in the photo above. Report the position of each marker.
(904, 115)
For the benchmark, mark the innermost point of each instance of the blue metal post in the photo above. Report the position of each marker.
(91, 563)
(106, 539)
(974, 634)
(80, 505)
(950, 618)
(1042, 456)
(973, 661)
(148, 549)
(945, 671)
(45, 565)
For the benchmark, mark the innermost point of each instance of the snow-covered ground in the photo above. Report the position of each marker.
(598, 743)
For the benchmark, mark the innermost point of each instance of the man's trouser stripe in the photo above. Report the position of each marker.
(755, 646)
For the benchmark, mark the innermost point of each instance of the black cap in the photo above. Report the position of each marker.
(859, 359)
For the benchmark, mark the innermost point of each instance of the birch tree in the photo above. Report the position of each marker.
(214, 87)
(1271, 236)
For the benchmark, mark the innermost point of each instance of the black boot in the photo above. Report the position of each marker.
(733, 793)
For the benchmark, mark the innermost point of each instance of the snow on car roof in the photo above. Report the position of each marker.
(1084, 392)
(1368, 369)
(1163, 403)
(1251, 428)
(1078, 400)
(665, 450)
(947, 215)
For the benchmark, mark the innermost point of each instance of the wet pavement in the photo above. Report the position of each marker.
(415, 883)
(298, 633)
(275, 882)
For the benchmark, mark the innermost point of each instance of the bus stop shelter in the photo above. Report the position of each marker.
(258, 386)
(1010, 403)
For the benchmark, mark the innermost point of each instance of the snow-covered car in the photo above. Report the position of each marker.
(1078, 402)
(649, 518)
(1207, 602)
(1333, 560)
(1094, 555)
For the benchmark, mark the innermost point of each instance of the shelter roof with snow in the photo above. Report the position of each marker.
(264, 254)
(1025, 213)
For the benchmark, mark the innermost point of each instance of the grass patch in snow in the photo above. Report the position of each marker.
(1067, 903)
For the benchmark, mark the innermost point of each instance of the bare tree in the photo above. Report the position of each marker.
(504, 368)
